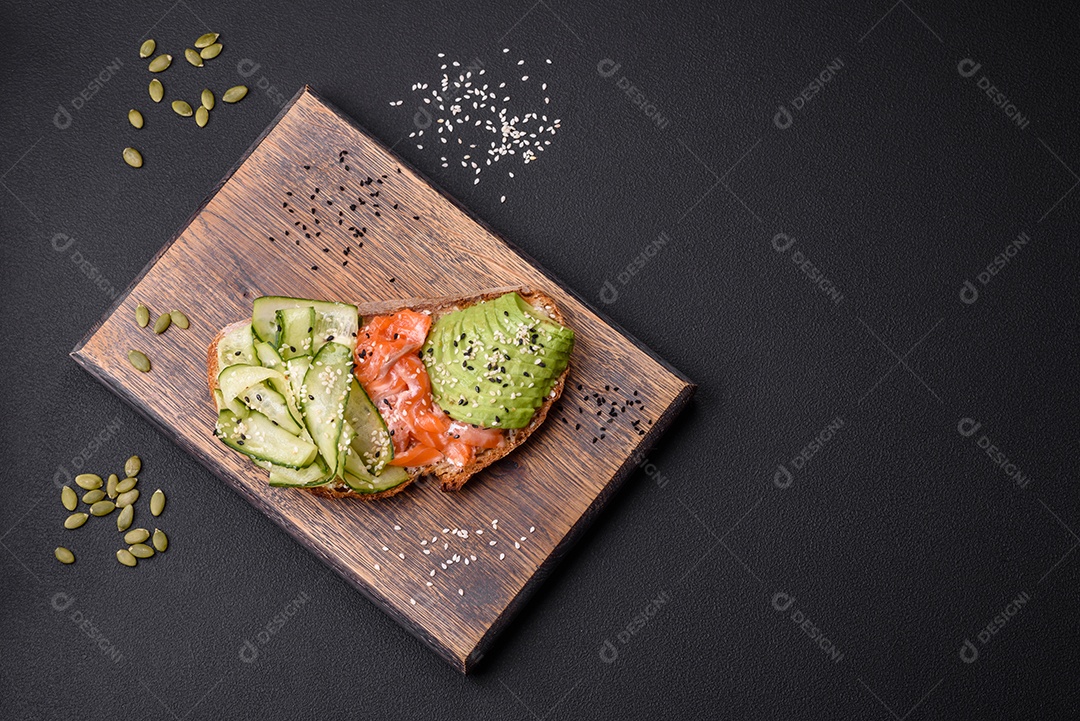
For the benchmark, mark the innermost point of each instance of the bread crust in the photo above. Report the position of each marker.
(450, 477)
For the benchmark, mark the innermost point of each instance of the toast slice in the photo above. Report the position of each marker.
(450, 476)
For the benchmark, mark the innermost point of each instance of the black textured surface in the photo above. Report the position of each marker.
(899, 540)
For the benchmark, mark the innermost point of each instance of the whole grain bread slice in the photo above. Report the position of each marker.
(450, 476)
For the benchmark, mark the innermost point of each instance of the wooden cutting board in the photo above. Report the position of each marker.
(317, 208)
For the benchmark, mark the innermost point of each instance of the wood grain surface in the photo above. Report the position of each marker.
(318, 208)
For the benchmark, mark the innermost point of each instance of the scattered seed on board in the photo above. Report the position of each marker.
(136, 535)
(147, 48)
(206, 40)
(141, 550)
(135, 118)
(63, 555)
(157, 502)
(157, 90)
(180, 321)
(123, 521)
(110, 485)
(92, 497)
(133, 157)
(139, 360)
(207, 98)
(102, 508)
(142, 315)
(132, 466)
(202, 117)
(210, 51)
(88, 481)
(127, 484)
(164, 320)
(127, 499)
(69, 498)
(75, 520)
(124, 556)
(193, 57)
(235, 94)
(161, 62)
(182, 108)
(161, 541)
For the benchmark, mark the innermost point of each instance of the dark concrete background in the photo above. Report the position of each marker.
(852, 585)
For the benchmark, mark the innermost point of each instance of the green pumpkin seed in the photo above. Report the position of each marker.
(132, 466)
(193, 57)
(141, 550)
(69, 498)
(157, 503)
(133, 157)
(179, 320)
(92, 497)
(102, 508)
(124, 556)
(147, 48)
(235, 94)
(210, 51)
(182, 108)
(161, 541)
(111, 484)
(165, 320)
(157, 90)
(128, 498)
(207, 99)
(63, 555)
(123, 521)
(88, 481)
(135, 118)
(136, 535)
(206, 40)
(142, 315)
(139, 360)
(126, 485)
(161, 62)
(75, 520)
(202, 117)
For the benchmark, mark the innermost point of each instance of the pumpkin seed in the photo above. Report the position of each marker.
(147, 48)
(206, 40)
(161, 541)
(193, 57)
(92, 497)
(63, 555)
(133, 157)
(142, 315)
(141, 550)
(69, 498)
(207, 99)
(165, 320)
(88, 481)
(157, 90)
(157, 502)
(128, 498)
(210, 51)
(136, 535)
(102, 508)
(182, 108)
(124, 556)
(110, 485)
(235, 94)
(132, 466)
(123, 521)
(75, 520)
(161, 62)
(180, 321)
(139, 360)
(126, 485)
(202, 116)
(135, 118)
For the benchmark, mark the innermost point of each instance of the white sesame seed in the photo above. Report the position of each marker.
(432, 572)
(491, 543)
(517, 545)
(401, 556)
(397, 528)
(502, 556)
(460, 592)
(412, 601)
(377, 567)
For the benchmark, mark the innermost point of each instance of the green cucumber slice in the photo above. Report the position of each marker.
(323, 398)
(337, 319)
(236, 347)
(257, 436)
(295, 370)
(234, 380)
(269, 357)
(296, 325)
(314, 475)
(365, 483)
(264, 399)
(372, 443)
